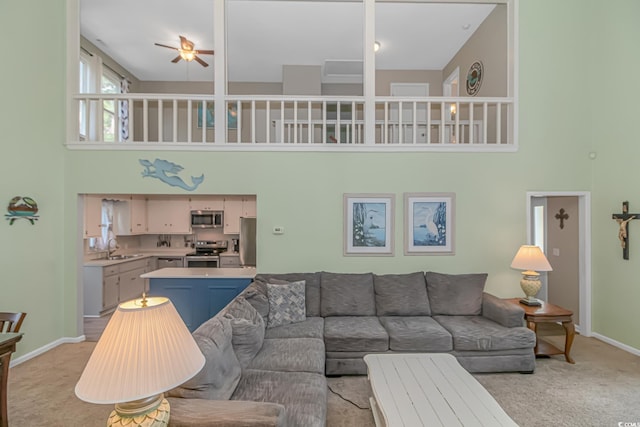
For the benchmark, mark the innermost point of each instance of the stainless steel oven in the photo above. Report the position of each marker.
(206, 254)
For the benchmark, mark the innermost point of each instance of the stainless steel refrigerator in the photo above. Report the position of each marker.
(248, 242)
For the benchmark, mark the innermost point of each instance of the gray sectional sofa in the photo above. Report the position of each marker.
(269, 351)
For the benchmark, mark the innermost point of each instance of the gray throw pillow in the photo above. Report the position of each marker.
(455, 294)
(248, 330)
(286, 303)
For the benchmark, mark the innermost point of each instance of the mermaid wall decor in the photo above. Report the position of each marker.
(167, 172)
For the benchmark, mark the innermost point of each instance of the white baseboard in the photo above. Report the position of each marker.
(615, 343)
(44, 349)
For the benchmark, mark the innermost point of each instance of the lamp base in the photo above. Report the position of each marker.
(531, 301)
(149, 412)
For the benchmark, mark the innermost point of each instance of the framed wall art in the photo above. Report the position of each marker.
(232, 116)
(429, 223)
(368, 224)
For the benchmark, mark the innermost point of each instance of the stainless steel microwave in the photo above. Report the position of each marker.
(206, 219)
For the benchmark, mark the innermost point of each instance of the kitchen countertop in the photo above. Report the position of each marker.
(103, 262)
(201, 273)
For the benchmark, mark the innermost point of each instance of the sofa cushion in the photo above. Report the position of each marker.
(410, 333)
(303, 395)
(312, 288)
(311, 327)
(248, 330)
(455, 294)
(227, 413)
(291, 355)
(286, 303)
(355, 333)
(221, 372)
(401, 295)
(256, 295)
(347, 294)
(480, 333)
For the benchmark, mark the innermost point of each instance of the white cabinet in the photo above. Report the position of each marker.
(206, 203)
(92, 215)
(106, 287)
(130, 216)
(229, 261)
(168, 216)
(236, 207)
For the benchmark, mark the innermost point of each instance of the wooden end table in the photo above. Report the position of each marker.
(548, 313)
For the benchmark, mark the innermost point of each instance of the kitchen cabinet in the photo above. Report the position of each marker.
(168, 216)
(206, 203)
(130, 216)
(92, 215)
(198, 300)
(236, 207)
(229, 261)
(107, 286)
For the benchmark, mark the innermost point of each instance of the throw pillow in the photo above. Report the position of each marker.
(248, 330)
(286, 303)
(455, 294)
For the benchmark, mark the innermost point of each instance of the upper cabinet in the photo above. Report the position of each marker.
(206, 203)
(130, 216)
(92, 215)
(168, 215)
(236, 207)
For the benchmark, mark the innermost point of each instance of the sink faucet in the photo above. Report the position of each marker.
(109, 251)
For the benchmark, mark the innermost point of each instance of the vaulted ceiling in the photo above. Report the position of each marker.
(264, 35)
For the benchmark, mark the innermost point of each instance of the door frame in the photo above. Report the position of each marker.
(584, 241)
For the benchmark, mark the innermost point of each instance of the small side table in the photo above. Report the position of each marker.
(548, 313)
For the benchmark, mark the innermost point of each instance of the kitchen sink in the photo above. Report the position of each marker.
(118, 257)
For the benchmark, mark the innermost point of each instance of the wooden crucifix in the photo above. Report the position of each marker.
(623, 230)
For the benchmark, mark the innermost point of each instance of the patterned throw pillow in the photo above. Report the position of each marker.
(286, 303)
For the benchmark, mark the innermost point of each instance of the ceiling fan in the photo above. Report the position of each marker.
(187, 52)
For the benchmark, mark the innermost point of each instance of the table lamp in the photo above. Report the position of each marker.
(531, 260)
(145, 350)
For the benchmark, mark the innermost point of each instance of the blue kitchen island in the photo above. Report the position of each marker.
(199, 293)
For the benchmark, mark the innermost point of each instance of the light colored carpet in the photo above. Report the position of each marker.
(601, 389)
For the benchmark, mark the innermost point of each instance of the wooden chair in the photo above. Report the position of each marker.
(11, 322)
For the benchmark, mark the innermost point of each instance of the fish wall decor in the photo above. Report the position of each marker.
(22, 207)
(167, 171)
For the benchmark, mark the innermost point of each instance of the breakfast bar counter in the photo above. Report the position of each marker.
(199, 293)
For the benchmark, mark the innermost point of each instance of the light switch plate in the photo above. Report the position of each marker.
(556, 252)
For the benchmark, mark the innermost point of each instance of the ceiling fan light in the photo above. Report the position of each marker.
(187, 55)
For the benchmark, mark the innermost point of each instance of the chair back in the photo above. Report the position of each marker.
(11, 322)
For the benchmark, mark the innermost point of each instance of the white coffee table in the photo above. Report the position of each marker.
(424, 389)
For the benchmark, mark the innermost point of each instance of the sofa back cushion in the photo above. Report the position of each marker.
(345, 294)
(256, 295)
(248, 330)
(221, 372)
(312, 288)
(455, 294)
(401, 295)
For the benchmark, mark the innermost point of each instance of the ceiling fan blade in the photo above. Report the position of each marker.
(200, 61)
(204, 52)
(164, 45)
(176, 59)
(186, 44)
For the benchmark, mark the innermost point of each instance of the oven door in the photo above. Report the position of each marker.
(201, 261)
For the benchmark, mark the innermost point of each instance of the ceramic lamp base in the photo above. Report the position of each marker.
(530, 284)
(150, 412)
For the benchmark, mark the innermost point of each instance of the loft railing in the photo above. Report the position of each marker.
(176, 120)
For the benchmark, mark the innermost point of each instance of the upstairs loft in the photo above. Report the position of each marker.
(470, 104)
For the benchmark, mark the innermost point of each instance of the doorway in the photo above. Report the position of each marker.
(559, 222)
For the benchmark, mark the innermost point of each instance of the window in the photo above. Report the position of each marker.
(110, 84)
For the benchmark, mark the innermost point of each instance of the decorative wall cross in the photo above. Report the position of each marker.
(623, 227)
(562, 215)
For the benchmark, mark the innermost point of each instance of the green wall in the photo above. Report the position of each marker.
(559, 103)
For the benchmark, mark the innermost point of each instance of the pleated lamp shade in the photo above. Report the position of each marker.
(530, 258)
(143, 351)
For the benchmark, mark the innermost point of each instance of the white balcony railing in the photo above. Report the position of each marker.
(157, 120)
